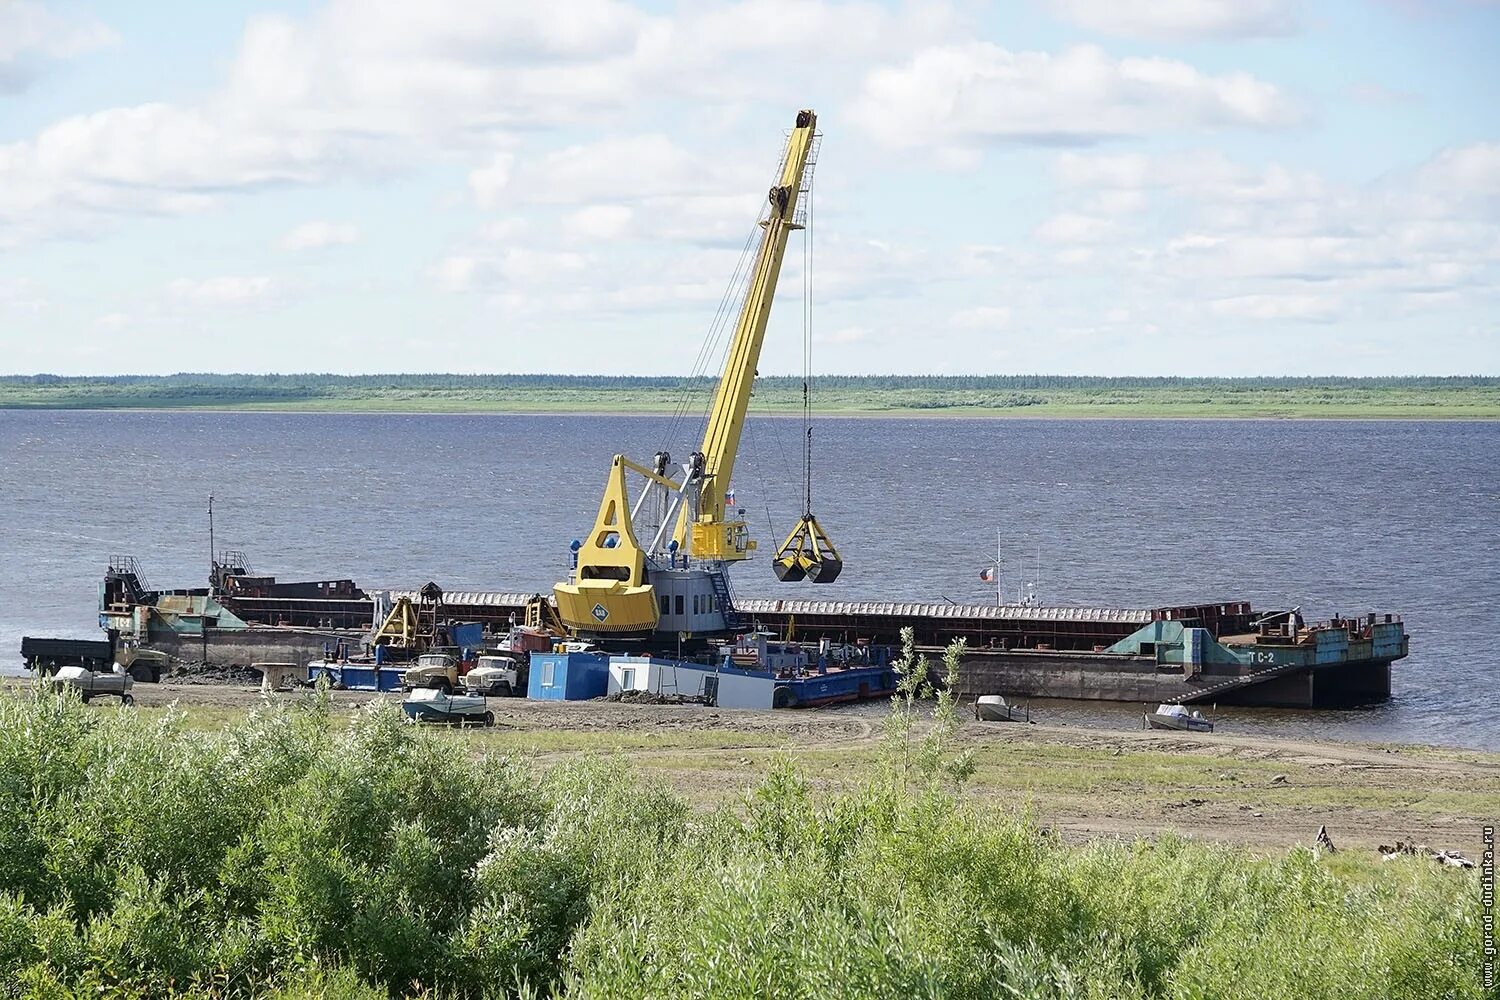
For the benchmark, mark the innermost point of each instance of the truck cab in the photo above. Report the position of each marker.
(432, 670)
(502, 674)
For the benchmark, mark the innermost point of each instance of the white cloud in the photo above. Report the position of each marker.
(489, 181)
(227, 290)
(359, 89)
(959, 98)
(316, 235)
(1465, 172)
(522, 267)
(1203, 173)
(1299, 307)
(599, 222)
(1376, 93)
(844, 335)
(30, 35)
(635, 168)
(364, 88)
(1274, 245)
(1171, 20)
(455, 273)
(1074, 227)
(618, 152)
(981, 318)
(21, 296)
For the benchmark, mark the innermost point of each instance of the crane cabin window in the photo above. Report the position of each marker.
(666, 604)
(679, 604)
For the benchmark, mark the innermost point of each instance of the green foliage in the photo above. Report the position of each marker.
(294, 857)
(933, 756)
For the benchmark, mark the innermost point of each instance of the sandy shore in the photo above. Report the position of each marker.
(1083, 783)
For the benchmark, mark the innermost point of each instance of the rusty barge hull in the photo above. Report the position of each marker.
(1108, 677)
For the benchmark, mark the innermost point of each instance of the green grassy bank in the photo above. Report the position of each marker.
(289, 853)
(1475, 398)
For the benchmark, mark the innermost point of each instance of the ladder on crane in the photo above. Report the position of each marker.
(720, 581)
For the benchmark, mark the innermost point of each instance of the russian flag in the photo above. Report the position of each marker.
(987, 575)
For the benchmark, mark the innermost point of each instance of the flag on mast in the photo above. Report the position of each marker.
(987, 574)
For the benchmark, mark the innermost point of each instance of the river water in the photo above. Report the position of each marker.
(1334, 517)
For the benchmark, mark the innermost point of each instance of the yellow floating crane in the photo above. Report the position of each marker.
(676, 582)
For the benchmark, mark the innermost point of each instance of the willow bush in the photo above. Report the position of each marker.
(297, 855)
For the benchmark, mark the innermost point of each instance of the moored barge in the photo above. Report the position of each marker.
(1224, 652)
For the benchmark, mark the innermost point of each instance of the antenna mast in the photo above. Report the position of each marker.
(212, 583)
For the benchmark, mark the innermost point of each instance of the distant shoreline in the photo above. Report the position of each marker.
(904, 397)
(1101, 412)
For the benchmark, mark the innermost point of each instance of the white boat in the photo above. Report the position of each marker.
(1178, 717)
(993, 708)
(434, 705)
(89, 683)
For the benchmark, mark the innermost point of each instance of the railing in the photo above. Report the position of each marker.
(127, 566)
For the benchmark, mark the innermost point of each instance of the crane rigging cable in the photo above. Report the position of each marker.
(808, 552)
(807, 305)
(710, 353)
(737, 291)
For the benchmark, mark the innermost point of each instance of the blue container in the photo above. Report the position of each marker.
(468, 635)
(360, 676)
(567, 676)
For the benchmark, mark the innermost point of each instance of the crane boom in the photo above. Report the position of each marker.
(726, 422)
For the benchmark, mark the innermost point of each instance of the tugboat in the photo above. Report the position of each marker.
(1178, 717)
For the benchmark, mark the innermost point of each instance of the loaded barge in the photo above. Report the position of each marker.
(1225, 652)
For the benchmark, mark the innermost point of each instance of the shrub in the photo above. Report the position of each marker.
(294, 856)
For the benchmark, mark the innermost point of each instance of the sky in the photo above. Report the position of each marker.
(1094, 187)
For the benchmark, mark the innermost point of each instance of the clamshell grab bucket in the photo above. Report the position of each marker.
(807, 554)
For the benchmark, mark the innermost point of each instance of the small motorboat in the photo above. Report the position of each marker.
(1178, 717)
(434, 705)
(92, 683)
(993, 708)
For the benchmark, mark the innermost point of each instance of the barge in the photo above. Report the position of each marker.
(1223, 652)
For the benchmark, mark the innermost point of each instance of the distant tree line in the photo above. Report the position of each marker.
(302, 383)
